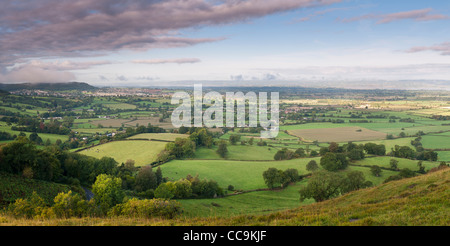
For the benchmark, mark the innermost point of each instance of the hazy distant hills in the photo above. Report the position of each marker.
(436, 85)
(48, 86)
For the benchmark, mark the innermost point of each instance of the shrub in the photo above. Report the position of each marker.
(69, 205)
(165, 190)
(312, 166)
(333, 161)
(147, 208)
(27, 208)
(322, 185)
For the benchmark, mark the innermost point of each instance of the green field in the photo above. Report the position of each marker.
(239, 152)
(444, 155)
(159, 136)
(259, 202)
(142, 152)
(384, 161)
(245, 175)
(388, 143)
(44, 136)
(436, 142)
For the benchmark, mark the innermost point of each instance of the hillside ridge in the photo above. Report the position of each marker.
(421, 200)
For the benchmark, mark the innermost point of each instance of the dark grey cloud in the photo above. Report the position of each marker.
(54, 28)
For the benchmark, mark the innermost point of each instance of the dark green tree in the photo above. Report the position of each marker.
(322, 186)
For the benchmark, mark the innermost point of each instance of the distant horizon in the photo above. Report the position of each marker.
(434, 85)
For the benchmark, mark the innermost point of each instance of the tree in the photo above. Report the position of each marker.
(272, 177)
(284, 154)
(312, 166)
(183, 188)
(355, 180)
(375, 149)
(333, 147)
(69, 204)
(333, 161)
(421, 167)
(181, 148)
(250, 141)
(313, 153)
(403, 152)
(290, 175)
(356, 154)
(394, 164)
(165, 190)
(107, 191)
(300, 152)
(322, 185)
(222, 150)
(146, 179)
(129, 164)
(375, 170)
(159, 176)
(234, 139)
(18, 155)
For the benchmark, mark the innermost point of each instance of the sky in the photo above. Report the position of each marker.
(237, 42)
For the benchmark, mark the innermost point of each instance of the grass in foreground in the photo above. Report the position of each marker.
(419, 201)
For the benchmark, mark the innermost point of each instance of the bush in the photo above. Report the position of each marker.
(322, 185)
(34, 207)
(312, 166)
(70, 205)
(148, 208)
(333, 161)
(222, 150)
(165, 190)
(107, 191)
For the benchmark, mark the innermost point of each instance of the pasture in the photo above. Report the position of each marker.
(239, 152)
(340, 134)
(141, 151)
(245, 175)
(436, 142)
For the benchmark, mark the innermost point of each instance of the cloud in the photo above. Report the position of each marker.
(122, 78)
(443, 49)
(35, 74)
(416, 15)
(271, 76)
(347, 73)
(66, 65)
(239, 77)
(163, 61)
(38, 71)
(53, 28)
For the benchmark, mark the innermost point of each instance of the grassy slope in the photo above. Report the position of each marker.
(142, 152)
(422, 200)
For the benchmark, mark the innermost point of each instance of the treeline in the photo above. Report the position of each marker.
(22, 157)
(28, 124)
(185, 147)
(131, 131)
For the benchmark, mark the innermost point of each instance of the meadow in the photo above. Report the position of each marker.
(141, 151)
(436, 142)
(339, 134)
